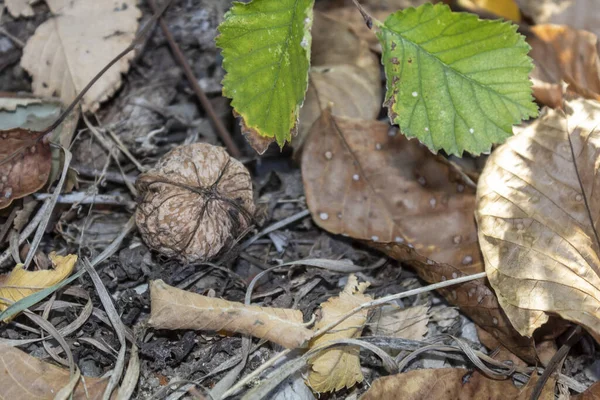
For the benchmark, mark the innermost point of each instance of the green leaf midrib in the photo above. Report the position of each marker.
(283, 52)
(448, 67)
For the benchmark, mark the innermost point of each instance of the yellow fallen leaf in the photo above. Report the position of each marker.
(538, 218)
(70, 48)
(20, 283)
(174, 308)
(503, 8)
(339, 367)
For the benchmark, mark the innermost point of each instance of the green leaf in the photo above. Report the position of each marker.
(266, 54)
(455, 82)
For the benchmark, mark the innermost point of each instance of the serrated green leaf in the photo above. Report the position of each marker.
(455, 82)
(266, 54)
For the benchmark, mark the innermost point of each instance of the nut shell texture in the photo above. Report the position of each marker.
(195, 201)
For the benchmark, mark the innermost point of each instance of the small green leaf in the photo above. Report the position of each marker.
(455, 82)
(266, 54)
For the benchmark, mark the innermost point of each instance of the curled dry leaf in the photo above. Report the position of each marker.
(20, 283)
(25, 162)
(344, 73)
(451, 383)
(562, 54)
(368, 182)
(68, 50)
(173, 308)
(339, 367)
(538, 219)
(195, 201)
(25, 377)
(407, 323)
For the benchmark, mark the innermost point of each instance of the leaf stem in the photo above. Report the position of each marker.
(366, 16)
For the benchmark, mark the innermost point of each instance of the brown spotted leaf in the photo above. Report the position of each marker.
(368, 182)
(451, 383)
(538, 216)
(562, 54)
(25, 377)
(174, 308)
(344, 73)
(25, 164)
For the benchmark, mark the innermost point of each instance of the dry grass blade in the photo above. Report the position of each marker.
(117, 324)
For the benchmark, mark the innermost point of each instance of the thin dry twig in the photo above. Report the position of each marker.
(217, 123)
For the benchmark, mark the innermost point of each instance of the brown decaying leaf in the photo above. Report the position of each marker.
(368, 182)
(25, 164)
(408, 323)
(536, 231)
(564, 54)
(20, 283)
(173, 308)
(195, 201)
(344, 73)
(336, 368)
(451, 383)
(70, 48)
(592, 393)
(25, 377)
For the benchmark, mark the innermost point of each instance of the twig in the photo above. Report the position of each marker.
(217, 123)
(368, 19)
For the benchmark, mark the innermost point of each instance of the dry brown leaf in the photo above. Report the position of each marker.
(20, 283)
(25, 164)
(20, 8)
(536, 232)
(502, 8)
(592, 393)
(25, 377)
(578, 14)
(70, 48)
(339, 367)
(564, 54)
(173, 308)
(451, 383)
(344, 73)
(368, 182)
(408, 323)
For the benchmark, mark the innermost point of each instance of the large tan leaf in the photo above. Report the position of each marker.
(70, 48)
(20, 283)
(368, 182)
(537, 214)
(174, 308)
(336, 368)
(564, 54)
(344, 73)
(451, 383)
(25, 377)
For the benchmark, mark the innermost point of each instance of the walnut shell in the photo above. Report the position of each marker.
(195, 201)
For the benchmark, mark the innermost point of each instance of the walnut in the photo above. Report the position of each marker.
(194, 202)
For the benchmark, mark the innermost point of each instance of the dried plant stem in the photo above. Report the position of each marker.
(217, 123)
